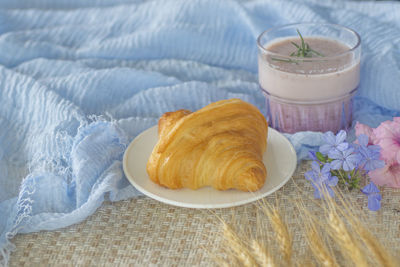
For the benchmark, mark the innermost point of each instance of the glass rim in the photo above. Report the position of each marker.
(351, 49)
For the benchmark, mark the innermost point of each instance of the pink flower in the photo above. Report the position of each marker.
(365, 129)
(387, 176)
(387, 136)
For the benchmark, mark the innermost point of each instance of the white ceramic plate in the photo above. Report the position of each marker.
(280, 160)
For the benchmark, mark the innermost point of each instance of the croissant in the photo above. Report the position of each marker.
(220, 145)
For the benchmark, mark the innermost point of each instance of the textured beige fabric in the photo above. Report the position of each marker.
(144, 232)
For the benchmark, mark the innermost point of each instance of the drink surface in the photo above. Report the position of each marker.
(332, 76)
(324, 46)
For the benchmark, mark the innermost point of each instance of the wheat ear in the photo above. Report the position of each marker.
(319, 249)
(316, 243)
(281, 231)
(237, 246)
(261, 254)
(380, 254)
(346, 243)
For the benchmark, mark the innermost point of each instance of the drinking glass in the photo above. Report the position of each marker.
(309, 93)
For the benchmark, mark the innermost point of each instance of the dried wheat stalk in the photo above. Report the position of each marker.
(281, 231)
(261, 254)
(238, 247)
(345, 241)
(346, 231)
(319, 248)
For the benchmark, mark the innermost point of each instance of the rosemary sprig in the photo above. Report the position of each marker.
(303, 51)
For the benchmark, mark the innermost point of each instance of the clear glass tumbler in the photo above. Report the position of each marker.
(309, 84)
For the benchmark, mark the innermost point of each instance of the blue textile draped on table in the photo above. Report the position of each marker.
(80, 79)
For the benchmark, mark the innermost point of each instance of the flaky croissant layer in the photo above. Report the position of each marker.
(220, 145)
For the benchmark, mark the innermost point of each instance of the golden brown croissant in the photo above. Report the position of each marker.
(220, 145)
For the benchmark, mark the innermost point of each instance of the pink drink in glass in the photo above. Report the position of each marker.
(309, 93)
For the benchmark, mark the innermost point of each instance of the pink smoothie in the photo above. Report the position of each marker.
(313, 95)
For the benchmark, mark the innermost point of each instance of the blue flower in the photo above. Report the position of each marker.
(363, 140)
(374, 198)
(321, 178)
(369, 154)
(334, 143)
(312, 155)
(345, 159)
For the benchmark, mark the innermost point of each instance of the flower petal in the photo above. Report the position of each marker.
(335, 154)
(329, 138)
(336, 164)
(374, 164)
(325, 148)
(370, 189)
(342, 146)
(374, 149)
(348, 152)
(341, 137)
(349, 164)
(317, 193)
(332, 181)
(315, 167)
(330, 191)
(310, 175)
(374, 203)
(326, 169)
(312, 155)
(382, 176)
(363, 129)
(363, 140)
(389, 148)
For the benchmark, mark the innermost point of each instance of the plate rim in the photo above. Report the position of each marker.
(256, 196)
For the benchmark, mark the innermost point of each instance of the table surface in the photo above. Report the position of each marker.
(142, 231)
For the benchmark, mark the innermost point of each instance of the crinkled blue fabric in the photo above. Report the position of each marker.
(80, 79)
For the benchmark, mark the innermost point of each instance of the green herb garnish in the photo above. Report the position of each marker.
(303, 51)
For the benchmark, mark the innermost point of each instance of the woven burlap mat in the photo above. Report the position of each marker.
(145, 232)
